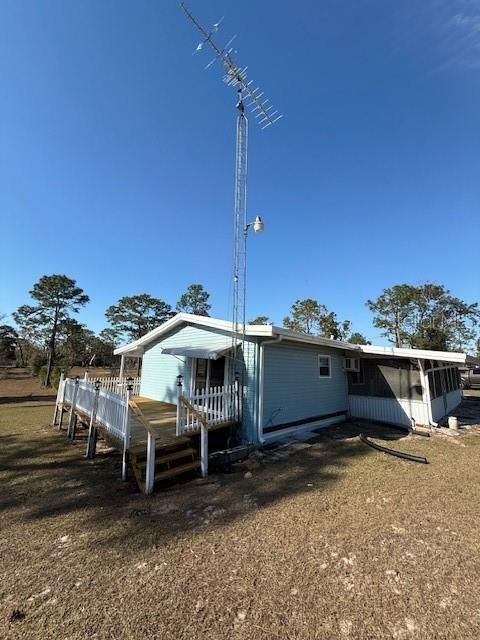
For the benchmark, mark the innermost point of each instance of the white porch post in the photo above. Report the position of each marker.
(204, 450)
(179, 405)
(236, 399)
(62, 399)
(150, 469)
(122, 366)
(59, 399)
(425, 382)
(73, 417)
(92, 430)
(126, 430)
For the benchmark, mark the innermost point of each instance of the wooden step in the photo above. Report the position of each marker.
(175, 471)
(176, 455)
(140, 450)
(222, 425)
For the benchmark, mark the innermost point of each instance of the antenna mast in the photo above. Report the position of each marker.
(236, 76)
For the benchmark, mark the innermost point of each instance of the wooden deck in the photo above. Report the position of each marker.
(162, 420)
(170, 455)
(161, 417)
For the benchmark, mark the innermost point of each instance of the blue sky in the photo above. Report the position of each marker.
(117, 150)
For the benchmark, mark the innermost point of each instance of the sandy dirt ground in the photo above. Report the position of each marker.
(328, 539)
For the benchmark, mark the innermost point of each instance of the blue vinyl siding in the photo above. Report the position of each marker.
(159, 371)
(293, 389)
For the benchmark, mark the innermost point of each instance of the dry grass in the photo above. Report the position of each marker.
(17, 383)
(337, 541)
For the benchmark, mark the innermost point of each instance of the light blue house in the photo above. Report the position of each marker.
(289, 381)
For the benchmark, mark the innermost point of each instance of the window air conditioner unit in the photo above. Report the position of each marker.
(351, 364)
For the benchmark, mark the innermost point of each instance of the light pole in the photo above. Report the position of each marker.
(258, 226)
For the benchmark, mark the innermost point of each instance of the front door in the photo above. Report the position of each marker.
(209, 373)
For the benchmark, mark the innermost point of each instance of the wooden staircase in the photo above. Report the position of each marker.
(171, 460)
(174, 455)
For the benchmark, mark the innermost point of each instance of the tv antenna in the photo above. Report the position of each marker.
(265, 115)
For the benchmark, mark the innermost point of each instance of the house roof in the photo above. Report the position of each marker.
(137, 347)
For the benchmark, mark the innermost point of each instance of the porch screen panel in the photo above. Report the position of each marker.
(438, 383)
(388, 379)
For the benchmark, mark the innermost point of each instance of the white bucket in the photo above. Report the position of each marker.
(452, 422)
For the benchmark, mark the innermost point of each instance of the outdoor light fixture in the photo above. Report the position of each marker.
(179, 380)
(257, 225)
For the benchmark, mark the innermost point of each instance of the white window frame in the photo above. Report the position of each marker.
(329, 358)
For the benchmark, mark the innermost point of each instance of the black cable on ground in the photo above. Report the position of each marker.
(393, 452)
(416, 432)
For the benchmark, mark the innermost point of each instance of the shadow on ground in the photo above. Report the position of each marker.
(30, 398)
(47, 476)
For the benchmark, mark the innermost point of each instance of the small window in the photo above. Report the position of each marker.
(324, 366)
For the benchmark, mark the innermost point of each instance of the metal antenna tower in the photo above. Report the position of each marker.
(265, 114)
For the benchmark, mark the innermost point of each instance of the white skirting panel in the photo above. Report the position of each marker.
(388, 410)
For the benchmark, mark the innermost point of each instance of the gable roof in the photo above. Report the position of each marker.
(260, 331)
(137, 347)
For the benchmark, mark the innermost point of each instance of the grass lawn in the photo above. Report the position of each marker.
(336, 541)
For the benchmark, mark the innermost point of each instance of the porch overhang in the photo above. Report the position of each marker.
(206, 352)
(417, 354)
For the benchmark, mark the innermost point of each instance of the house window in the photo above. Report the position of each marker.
(324, 366)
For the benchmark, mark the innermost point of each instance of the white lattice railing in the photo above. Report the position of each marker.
(214, 406)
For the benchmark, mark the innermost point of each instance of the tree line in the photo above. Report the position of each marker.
(48, 337)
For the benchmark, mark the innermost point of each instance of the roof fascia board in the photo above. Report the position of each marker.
(314, 340)
(422, 354)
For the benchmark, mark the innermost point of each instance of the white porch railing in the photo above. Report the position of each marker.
(116, 384)
(195, 413)
(110, 407)
(212, 407)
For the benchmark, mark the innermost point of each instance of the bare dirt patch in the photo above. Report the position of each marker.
(334, 540)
